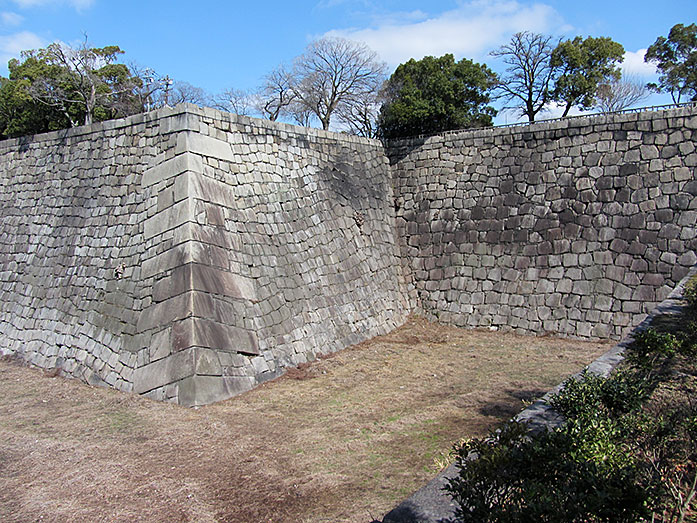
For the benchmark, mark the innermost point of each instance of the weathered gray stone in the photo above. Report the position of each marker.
(202, 390)
(258, 244)
(198, 332)
(162, 372)
(198, 277)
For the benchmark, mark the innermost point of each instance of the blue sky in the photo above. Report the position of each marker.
(231, 44)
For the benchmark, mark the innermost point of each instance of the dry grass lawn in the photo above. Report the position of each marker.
(342, 439)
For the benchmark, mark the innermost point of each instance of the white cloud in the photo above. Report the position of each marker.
(10, 19)
(77, 4)
(12, 45)
(328, 4)
(634, 64)
(471, 30)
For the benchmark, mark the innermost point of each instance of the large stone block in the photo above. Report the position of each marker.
(199, 332)
(203, 390)
(168, 219)
(176, 367)
(198, 277)
(196, 143)
(171, 168)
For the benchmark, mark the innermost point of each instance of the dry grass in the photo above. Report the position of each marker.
(342, 439)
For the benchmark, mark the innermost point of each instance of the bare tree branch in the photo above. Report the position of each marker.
(332, 72)
(235, 101)
(620, 94)
(276, 94)
(184, 92)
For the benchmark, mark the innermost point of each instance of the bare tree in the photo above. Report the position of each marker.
(620, 94)
(300, 113)
(184, 92)
(332, 71)
(360, 115)
(276, 94)
(151, 87)
(529, 73)
(236, 101)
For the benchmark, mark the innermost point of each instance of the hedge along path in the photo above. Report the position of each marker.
(342, 439)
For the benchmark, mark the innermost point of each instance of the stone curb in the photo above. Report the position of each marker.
(430, 504)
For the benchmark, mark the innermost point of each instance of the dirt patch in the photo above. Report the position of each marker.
(342, 439)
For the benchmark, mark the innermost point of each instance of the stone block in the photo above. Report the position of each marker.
(173, 167)
(207, 363)
(165, 371)
(176, 256)
(207, 189)
(168, 219)
(207, 146)
(198, 332)
(204, 390)
(160, 345)
(165, 312)
(197, 277)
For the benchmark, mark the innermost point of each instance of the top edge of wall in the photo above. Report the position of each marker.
(183, 109)
(548, 125)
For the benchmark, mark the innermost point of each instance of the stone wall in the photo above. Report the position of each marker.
(283, 249)
(577, 227)
(189, 254)
(71, 245)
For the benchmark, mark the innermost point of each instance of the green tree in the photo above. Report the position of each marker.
(86, 80)
(676, 59)
(581, 65)
(58, 87)
(20, 114)
(436, 94)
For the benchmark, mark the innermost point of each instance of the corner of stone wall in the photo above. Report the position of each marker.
(192, 355)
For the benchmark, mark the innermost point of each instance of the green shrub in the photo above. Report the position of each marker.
(573, 475)
(651, 347)
(620, 394)
(627, 450)
(690, 292)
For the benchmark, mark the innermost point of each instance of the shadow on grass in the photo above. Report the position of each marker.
(519, 398)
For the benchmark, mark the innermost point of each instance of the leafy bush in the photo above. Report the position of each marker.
(626, 452)
(590, 393)
(548, 477)
(651, 347)
(690, 292)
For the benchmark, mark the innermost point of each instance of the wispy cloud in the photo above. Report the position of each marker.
(9, 19)
(328, 4)
(12, 45)
(77, 4)
(634, 64)
(471, 30)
